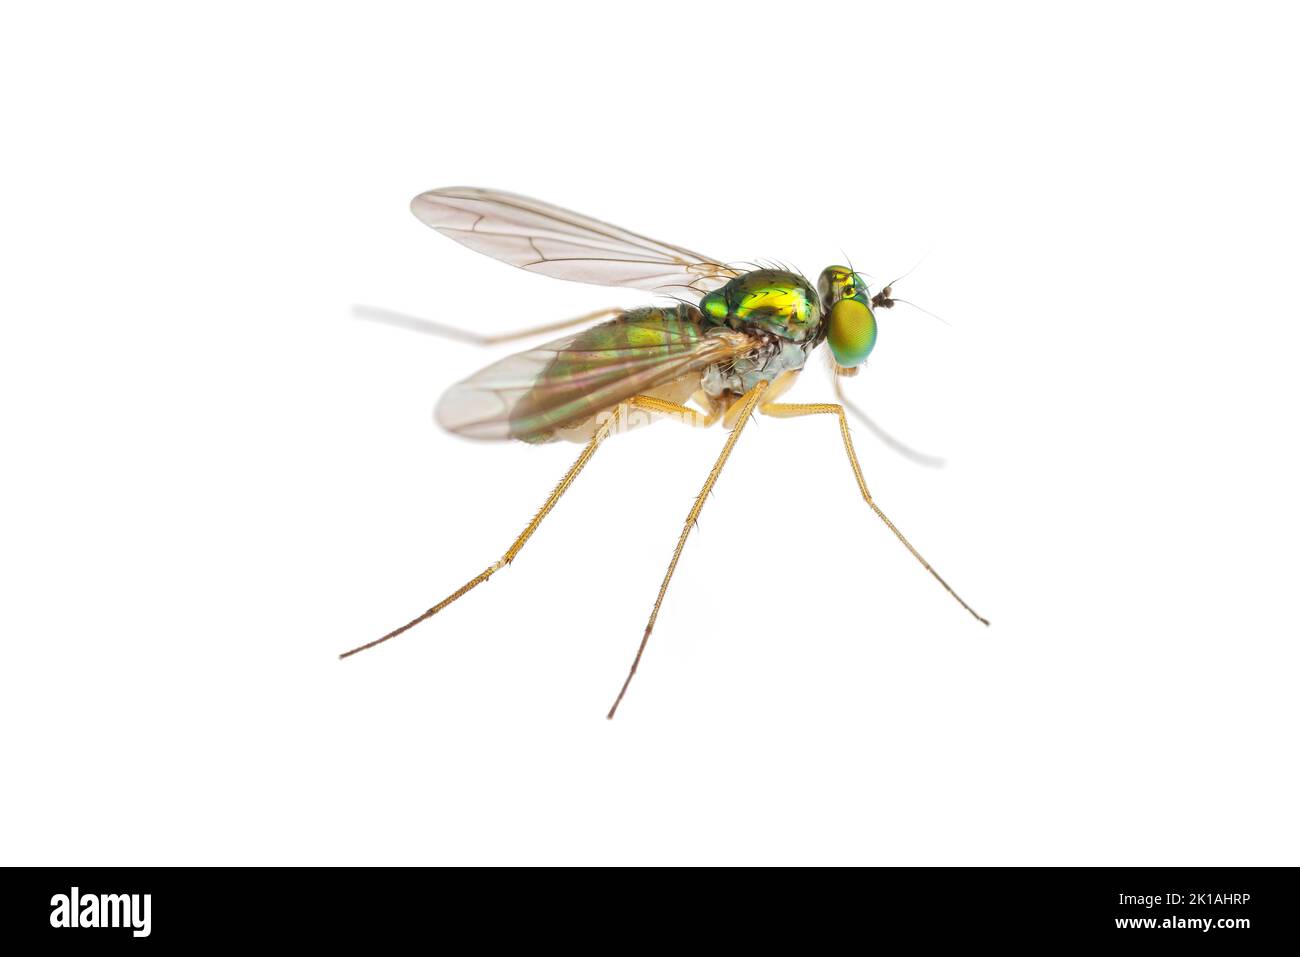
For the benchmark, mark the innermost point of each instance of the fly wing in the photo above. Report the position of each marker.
(555, 242)
(531, 394)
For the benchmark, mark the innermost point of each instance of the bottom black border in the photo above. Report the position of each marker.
(1247, 906)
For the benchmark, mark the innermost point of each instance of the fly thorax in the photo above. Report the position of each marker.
(771, 300)
(774, 356)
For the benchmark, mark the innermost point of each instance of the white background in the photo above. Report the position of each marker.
(216, 479)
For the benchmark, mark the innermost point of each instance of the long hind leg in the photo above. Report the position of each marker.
(602, 432)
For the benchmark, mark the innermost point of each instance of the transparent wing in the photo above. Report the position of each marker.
(546, 239)
(531, 394)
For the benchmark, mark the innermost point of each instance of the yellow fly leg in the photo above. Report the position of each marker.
(602, 432)
(674, 410)
(773, 390)
(746, 406)
(792, 410)
(902, 448)
(418, 324)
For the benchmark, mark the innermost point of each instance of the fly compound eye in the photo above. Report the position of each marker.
(852, 332)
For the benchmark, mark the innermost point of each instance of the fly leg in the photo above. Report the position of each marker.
(603, 431)
(747, 405)
(783, 410)
(906, 451)
(417, 324)
(673, 410)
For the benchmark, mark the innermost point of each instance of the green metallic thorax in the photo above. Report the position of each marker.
(773, 300)
(782, 308)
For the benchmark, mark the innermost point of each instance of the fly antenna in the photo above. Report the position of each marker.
(915, 267)
(888, 298)
(932, 315)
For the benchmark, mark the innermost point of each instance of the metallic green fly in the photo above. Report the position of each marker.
(734, 342)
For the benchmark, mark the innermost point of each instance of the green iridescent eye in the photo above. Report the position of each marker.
(852, 332)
